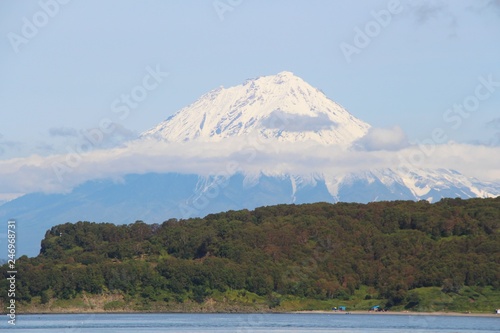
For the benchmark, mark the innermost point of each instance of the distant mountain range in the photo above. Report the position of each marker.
(279, 108)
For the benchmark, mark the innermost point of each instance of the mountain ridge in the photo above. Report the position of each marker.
(283, 109)
(281, 106)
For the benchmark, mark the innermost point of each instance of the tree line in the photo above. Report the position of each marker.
(319, 251)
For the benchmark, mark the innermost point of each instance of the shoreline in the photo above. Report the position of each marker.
(402, 313)
(335, 313)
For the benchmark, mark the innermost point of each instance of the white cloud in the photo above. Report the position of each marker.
(494, 125)
(63, 132)
(383, 139)
(493, 4)
(298, 123)
(428, 10)
(37, 173)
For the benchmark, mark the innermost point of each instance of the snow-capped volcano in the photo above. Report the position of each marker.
(281, 106)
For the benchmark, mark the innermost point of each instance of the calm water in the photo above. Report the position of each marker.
(248, 323)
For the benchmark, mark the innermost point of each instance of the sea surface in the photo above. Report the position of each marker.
(197, 323)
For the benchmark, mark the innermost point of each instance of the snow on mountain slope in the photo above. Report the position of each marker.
(436, 184)
(415, 184)
(286, 108)
(155, 198)
(281, 106)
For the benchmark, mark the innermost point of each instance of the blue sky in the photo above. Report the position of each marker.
(64, 77)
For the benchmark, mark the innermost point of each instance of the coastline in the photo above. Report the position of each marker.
(401, 313)
(323, 312)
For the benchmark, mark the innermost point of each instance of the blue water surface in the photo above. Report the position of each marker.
(248, 323)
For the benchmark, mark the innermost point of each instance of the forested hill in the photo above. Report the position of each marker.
(392, 252)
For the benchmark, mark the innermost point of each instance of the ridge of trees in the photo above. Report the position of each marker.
(320, 251)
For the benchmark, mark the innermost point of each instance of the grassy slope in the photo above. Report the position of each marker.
(431, 299)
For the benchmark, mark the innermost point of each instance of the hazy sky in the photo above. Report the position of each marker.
(415, 65)
(63, 76)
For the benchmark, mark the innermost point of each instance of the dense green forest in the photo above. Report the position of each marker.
(401, 254)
